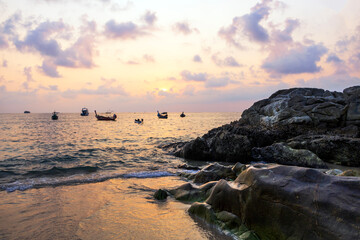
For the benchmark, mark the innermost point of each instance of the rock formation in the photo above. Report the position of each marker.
(325, 123)
(280, 202)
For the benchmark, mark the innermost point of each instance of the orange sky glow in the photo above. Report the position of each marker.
(192, 56)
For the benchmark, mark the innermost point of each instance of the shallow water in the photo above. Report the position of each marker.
(78, 178)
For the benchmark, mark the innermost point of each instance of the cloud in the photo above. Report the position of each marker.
(217, 82)
(150, 18)
(7, 29)
(43, 40)
(28, 74)
(184, 28)
(251, 22)
(126, 30)
(198, 77)
(49, 69)
(197, 58)
(5, 63)
(333, 58)
(302, 59)
(102, 90)
(229, 34)
(248, 25)
(285, 35)
(39, 39)
(227, 62)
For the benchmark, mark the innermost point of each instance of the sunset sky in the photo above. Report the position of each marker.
(189, 55)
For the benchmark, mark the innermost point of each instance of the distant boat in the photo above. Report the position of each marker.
(105, 118)
(162, 115)
(84, 112)
(109, 112)
(54, 116)
(139, 121)
(26, 111)
(182, 114)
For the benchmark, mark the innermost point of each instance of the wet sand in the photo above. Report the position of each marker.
(114, 209)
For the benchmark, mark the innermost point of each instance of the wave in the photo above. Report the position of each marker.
(30, 183)
(62, 171)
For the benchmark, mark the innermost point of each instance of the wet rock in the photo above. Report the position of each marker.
(203, 211)
(189, 192)
(160, 194)
(331, 148)
(214, 172)
(334, 172)
(350, 173)
(238, 168)
(288, 202)
(283, 154)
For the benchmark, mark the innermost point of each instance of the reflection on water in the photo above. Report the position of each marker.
(115, 209)
(87, 179)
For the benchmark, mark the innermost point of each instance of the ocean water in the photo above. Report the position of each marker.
(79, 178)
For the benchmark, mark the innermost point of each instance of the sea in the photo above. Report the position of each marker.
(80, 178)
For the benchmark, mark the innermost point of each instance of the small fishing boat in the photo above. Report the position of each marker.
(54, 116)
(139, 121)
(162, 115)
(182, 114)
(84, 112)
(105, 118)
(26, 111)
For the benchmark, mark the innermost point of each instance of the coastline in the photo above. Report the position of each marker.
(116, 208)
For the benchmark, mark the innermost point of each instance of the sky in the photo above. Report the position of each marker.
(188, 55)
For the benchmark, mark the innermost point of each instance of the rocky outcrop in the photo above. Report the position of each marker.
(280, 202)
(283, 154)
(297, 117)
(332, 148)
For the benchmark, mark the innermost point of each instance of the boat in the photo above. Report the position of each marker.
(162, 115)
(54, 116)
(105, 118)
(182, 114)
(139, 121)
(109, 111)
(26, 111)
(84, 112)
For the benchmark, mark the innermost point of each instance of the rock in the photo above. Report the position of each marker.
(304, 106)
(204, 211)
(331, 148)
(333, 172)
(214, 172)
(189, 192)
(288, 202)
(188, 167)
(283, 154)
(350, 173)
(160, 194)
(238, 168)
(287, 115)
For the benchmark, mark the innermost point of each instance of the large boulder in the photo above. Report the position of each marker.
(286, 114)
(287, 202)
(302, 106)
(283, 154)
(334, 149)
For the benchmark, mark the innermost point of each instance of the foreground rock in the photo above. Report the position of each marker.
(280, 202)
(323, 122)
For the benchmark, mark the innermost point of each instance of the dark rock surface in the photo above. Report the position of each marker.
(287, 202)
(283, 154)
(300, 117)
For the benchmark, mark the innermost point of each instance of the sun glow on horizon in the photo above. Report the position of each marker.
(140, 56)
